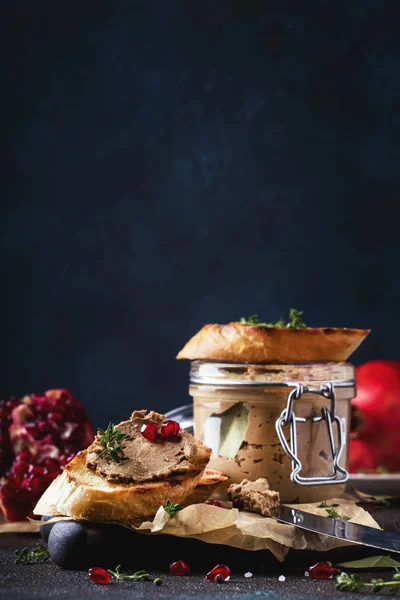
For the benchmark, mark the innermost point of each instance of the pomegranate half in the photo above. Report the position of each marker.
(39, 434)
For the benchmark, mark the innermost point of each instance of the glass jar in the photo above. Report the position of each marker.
(288, 423)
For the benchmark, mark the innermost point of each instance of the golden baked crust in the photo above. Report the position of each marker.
(252, 344)
(207, 485)
(80, 493)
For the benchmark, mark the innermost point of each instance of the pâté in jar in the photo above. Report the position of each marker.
(273, 401)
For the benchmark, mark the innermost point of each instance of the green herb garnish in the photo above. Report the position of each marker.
(138, 576)
(171, 508)
(354, 583)
(110, 439)
(32, 555)
(333, 514)
(295, 321)
(325, 505)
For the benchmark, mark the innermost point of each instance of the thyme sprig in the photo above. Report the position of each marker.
(110, 439)
(138, 576)
(38, 554)
(333, 514)
(325, 505)
(171, 508)
(295, 321)
(353, 583)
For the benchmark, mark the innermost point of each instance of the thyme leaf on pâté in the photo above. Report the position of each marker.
(110, 439)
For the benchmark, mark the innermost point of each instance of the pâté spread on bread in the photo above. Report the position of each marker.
(141, 460)
(273, 400)
(129, 471)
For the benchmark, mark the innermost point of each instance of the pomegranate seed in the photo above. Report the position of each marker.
(36, 486)
(20, 468)
(322, 570)
(16, 479)
(55, 416)
(149, 431)
(180, 567)
(50, 464)
(217, 572)
(23, 455)
(33, 431)
(99, 576)
(170, 429)
(35, 470)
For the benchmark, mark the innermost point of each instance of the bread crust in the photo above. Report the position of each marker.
(234, 342)
(81, 494)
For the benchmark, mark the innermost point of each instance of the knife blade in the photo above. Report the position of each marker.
(336, 528)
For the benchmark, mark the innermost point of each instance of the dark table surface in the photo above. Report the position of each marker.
(47, 580)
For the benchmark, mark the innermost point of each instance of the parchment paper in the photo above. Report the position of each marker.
(250, 531)
(231, 527)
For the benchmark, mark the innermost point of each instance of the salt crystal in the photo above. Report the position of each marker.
(281, 578)
(248, 574)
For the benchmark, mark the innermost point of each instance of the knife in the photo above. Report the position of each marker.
(342, 530)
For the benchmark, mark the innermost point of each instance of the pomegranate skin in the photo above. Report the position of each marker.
(375, 439)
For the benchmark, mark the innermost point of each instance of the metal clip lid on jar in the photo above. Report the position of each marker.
(288, 423)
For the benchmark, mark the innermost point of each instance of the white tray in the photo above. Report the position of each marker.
(376, 484)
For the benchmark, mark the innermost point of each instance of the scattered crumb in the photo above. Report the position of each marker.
(281, 578)
(248, 574)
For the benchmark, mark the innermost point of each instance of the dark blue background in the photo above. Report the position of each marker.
(174, 163)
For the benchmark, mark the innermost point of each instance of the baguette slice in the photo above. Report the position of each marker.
(253, 344)
(82, 492)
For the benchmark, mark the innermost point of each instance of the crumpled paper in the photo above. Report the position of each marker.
(250, 531)
(240, 529)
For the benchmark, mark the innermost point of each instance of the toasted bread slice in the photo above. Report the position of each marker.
(207, 485)
(254, 344)
(80, 493)
(98, 486)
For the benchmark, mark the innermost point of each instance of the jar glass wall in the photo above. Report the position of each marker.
(236, 407)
